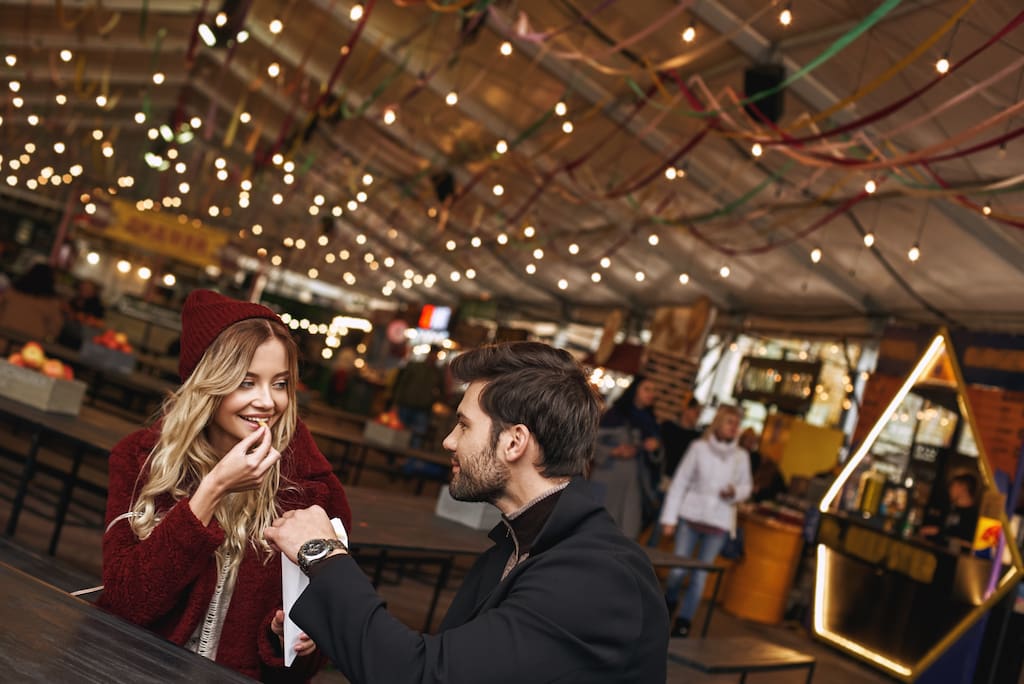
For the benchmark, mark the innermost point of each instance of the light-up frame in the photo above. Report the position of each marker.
(940, 346)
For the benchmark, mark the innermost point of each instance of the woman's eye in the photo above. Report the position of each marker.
(246, 384)
(282, 385)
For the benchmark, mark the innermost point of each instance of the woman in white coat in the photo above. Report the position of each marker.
(700, 506)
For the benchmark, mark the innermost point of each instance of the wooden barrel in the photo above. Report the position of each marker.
(759, 583)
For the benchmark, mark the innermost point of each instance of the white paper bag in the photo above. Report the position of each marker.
(293, 583)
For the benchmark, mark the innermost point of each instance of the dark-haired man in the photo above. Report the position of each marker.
(562, 596)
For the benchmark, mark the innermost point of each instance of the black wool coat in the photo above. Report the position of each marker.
(585, 606)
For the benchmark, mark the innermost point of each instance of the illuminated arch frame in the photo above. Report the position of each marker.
(939, 346)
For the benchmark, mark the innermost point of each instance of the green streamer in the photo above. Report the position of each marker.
(831, 51)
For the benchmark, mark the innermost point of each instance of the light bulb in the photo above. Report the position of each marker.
(158, 77)
(756, 150)
(816, 255)
(356, 13)
(987, 209)
(870, 186)
(274, 70)
(563, 284)
(914, 253)
(561, 109)
(724, 271)
(501, 147)
(684, 278)
(498, 190)
(689, 34)
(786, 16)
(670, 173)
(869, 239)
(275, 26)
(942, 65)
(574, 248)
(506, 48)
(451, 99)
(653, 239)
(66, 56)
(567, 127)
(595, 276)
(389, 116)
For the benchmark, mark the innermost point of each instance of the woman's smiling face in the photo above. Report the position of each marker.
(261, 396)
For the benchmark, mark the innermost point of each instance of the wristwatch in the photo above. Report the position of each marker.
(315, 550)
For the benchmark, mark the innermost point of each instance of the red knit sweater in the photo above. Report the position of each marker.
(165, 582)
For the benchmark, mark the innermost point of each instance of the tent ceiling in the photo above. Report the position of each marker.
(630, 85)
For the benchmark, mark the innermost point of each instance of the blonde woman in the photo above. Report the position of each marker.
(700, 506)
(190, 496)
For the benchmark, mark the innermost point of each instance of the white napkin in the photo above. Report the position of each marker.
(293, 583)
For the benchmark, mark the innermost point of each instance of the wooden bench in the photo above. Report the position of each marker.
(738, 655)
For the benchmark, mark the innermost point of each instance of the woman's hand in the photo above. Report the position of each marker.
(651, 444)
(668, 530)
(245, 466)
(303, 647)
(242, 468)
(728, 492)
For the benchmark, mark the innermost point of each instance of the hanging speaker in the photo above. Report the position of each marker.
(757, 79)
(444, 185)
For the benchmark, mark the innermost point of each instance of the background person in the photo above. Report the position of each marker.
(31, 305)
(768, 482)
(677, 435)
(417, 387)
(561, 596)
(960, 521)
(700, 507)
(627, 460)
(189, 497)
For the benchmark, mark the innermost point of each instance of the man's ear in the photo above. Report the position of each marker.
(518, 442)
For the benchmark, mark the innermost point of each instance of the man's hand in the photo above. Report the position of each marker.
(295, 528)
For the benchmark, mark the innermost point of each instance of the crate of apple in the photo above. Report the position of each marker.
(109, 351)
(28, 377)
(112, 339)
(32, 356)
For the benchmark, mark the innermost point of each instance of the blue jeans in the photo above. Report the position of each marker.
(417, 421)
(687, 538)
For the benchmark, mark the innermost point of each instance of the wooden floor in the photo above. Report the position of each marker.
(79, 552)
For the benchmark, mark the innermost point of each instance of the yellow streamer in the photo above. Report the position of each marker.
(899, 66)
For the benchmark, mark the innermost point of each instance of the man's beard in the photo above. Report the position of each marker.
(484, 479)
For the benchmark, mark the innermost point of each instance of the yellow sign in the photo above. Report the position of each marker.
(163, 233)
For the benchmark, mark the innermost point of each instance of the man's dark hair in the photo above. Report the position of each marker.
(543, 388)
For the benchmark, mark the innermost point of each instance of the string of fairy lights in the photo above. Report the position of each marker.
(59, 169)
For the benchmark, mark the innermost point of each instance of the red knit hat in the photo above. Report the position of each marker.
(204, 316)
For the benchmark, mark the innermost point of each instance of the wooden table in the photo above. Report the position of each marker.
(355, 447)
(50, 636)
(392, 521)
(738, 655)
(91, 430)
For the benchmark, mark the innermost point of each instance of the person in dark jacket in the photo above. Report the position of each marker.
(562, 596)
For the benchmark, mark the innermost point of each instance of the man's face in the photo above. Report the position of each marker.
(478, 473)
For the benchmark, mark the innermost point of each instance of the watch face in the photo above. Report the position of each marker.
(313, 548)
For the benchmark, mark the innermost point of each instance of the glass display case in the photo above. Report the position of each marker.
(909, 547)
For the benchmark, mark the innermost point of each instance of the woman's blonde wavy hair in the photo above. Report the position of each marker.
(183, 454)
